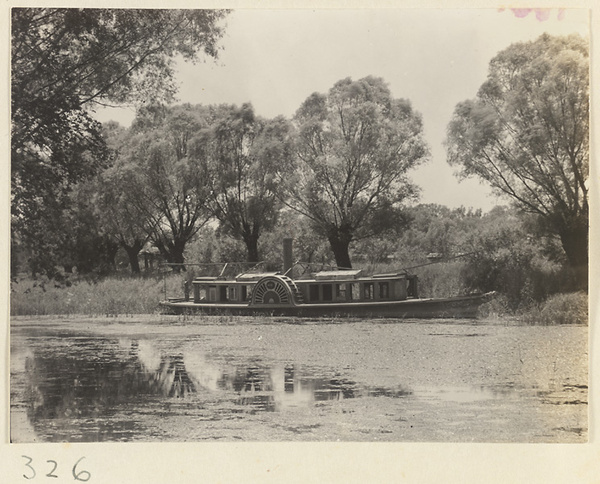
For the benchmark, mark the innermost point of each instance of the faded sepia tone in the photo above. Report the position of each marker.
(97, 245)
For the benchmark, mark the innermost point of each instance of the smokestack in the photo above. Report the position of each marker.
(288, 260)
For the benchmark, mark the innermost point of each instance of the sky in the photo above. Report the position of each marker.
(276, 58)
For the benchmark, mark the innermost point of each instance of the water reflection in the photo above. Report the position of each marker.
(284, 387)
(94, 388)
(87, 377)
(142, 381)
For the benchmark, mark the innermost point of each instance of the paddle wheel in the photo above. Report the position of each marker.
(279, 290)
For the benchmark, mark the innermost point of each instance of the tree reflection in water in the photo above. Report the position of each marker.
(94, 378)
(91, 378)
(272, 388)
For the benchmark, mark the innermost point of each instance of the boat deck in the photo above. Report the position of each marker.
(454, 307)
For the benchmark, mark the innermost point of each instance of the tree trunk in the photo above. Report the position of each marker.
(172, 252)
(251, 241)
(111, 254)
(339, 240)
(575, 245)
(573, 233)
(177, 254)
(132, 254)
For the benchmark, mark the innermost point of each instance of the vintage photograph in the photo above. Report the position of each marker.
(279, 225)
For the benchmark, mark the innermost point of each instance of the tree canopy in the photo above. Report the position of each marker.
(355, 146)
(242, 154)
(527, 134)
(167, 184)
(119, 216)
(66, 61)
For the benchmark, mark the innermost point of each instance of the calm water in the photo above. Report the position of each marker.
(243, 379)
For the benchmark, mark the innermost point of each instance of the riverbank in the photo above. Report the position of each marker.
(112, 297)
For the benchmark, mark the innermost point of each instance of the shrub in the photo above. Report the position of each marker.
(570, 308)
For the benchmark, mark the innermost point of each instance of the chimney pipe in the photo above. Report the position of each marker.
(288, 261)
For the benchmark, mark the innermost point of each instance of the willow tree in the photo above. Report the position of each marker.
(355, 146)
(242, 154)
(115, 208)
(166, 185)
(527, 135)
(65, 62)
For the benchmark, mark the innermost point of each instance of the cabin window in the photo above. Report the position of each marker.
(314, 292)
(244, 293)
(340, 292)
(202, 293)
(288, 385)
(327, 292)
(384, 290)
(212, 293)
(412, 290)
(222, 293)
(232, 293)
(355, 291)
(369, 292)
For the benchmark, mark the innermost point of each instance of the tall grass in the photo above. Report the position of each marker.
(108, 297)
(558, 309)
(571, 308)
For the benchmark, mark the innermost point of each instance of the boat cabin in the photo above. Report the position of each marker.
(351, 286)
(325, 287)
(221, 290)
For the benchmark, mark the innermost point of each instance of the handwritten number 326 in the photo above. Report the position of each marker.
(77, 475)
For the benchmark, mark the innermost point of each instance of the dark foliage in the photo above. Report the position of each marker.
(64, 61)
(527, 135)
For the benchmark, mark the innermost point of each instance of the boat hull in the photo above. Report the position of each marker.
(455, 307)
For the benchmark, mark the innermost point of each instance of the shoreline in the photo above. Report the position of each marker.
(221, 319)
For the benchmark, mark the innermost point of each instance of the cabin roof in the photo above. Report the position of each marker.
(322, 277)
(336, 275)
(255, 276)
(389, 275)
